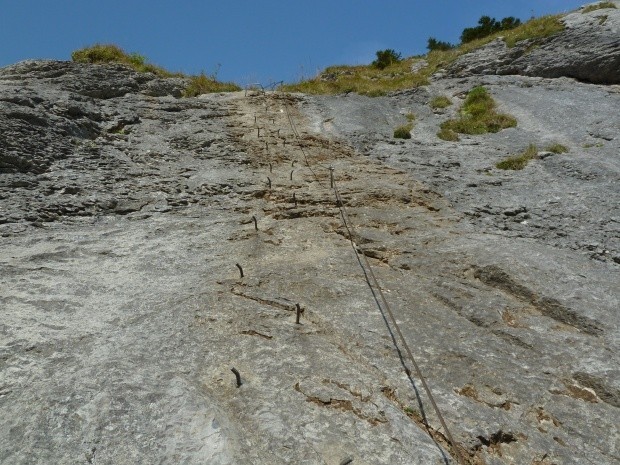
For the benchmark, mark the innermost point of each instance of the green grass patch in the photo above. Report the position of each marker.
(365, 80)
(403, 132)
(440, 101)
(477, 116)
(410, 117)
(557, 148)
(598, 6)
(109, 53)
(203, 84)
(518, 162)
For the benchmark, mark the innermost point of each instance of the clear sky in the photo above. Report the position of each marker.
(247, 41)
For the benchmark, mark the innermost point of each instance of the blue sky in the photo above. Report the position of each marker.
(247, 41)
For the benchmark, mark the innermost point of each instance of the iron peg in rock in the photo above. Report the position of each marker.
(292, 174)
(294, 199)
(299, 312)
(255, 223)
(270, 168)
(240, 269)
(237, 376)
(331, 177)
(269, 181)
(346, 461)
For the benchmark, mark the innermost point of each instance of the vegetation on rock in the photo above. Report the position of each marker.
(598, 6)
(557, 148)
(487, 26)
(477, 116)
(203, 84)
(373, 80)
(434, 44)
(518, 162)
(110, 53)
(440, 101)
(403, 132)
(386, 58)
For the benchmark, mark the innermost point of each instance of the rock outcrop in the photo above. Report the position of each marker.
(588, 50)
(127, 215)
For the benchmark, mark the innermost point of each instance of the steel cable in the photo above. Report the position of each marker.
(373, 283)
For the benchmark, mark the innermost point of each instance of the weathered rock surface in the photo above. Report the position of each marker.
(588, 49)
(124, 312)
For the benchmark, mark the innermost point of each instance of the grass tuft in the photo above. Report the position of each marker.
(598, 6)
(477, 116)
(518, 162)
(557, 148)
(440, 101)
(448, 134)
(403, 132)
(203, 84)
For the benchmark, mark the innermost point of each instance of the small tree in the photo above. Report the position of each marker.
(386, 58)
(487, 26)
(434, 44)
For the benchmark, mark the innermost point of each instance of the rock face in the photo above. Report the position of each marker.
(124, 212)
(588, 49)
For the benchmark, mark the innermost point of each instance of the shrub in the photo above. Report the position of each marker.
(434, 44)
(204, 84)
(598, 6)
(518, 162)
(109, 53)
(557, 148)
(441, 101)
(478, 115)
(386, 58)
(403, 132)
(410, 117)
(487, 26)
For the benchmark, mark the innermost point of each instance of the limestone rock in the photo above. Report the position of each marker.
(588, 50)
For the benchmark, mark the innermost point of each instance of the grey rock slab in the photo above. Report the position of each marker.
(124, 311)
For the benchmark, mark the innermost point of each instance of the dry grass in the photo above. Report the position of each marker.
(371, 81)
(110, 53)
(598, 6)
(204, 84)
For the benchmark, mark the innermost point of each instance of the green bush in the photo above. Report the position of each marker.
(204, 84)
(441, 101)
(518, 162)
(434, 44)
(403, 132)
(487, 26)
(598, 6)
(478, 115)
(386, 58)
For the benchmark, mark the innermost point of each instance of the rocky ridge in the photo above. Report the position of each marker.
(125, 209)
(588, 50)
